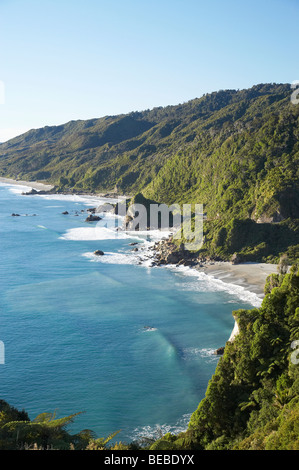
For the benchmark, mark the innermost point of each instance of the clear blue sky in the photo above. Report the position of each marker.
(79, 59)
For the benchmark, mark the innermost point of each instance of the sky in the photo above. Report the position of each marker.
(64, 60)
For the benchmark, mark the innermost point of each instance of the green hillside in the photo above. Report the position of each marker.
(235, 151)
(251, 401)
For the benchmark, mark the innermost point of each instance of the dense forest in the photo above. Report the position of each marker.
(234, 151)
(251, 403)
(252, 400)
(237, 153)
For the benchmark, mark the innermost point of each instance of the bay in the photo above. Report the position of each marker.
(129, 345)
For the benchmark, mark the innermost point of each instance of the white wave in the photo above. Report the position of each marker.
(191, 353)
(18, 189)
(148, 328)
(113, 258)
(211, 284)
(86, 200)
(158, 430)
(152, 235)
(142, 257)
(95, 232)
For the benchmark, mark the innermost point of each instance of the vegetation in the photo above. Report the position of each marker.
(234, 151)
(251, 403)
(46, 432)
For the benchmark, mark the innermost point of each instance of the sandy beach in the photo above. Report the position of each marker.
(251, 276)
(31, 184)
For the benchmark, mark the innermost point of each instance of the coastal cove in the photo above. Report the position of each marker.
(129, 344)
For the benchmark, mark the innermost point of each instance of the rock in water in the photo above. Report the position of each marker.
(29, 193)
(98, 253)
(219, 351)
(92, 218)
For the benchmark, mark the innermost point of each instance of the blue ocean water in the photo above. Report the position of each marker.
(73, 323)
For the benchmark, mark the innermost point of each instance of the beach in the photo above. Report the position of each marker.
(103, 326)
(102, 304)
(251, 276)
(31, 184)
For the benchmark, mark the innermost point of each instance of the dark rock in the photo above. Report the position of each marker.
(189, 262)
(99, 253)
(91, 210)
(172, 258)
(92, 218)
(219, 351)
(135, 249)
(29, 193)
(15, 215)
(65, 213)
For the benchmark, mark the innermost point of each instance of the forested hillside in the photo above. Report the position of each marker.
(252, 400)
(251, 403)
(235, 151)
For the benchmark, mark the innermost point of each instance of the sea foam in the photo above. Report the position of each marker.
(209, 283)
(95, 232)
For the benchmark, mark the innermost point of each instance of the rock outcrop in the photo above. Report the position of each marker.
(98, 253)
(219, 351)
(92, 218)
(166, 252)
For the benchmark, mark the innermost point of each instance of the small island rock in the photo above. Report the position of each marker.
(92, 218)
(98, 253)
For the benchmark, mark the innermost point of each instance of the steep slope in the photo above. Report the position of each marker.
(129, 150)
(235, 151)
(252, 400)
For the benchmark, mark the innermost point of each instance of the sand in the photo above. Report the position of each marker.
(31, 184)
(251, 276)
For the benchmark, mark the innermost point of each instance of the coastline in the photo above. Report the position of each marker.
(249, 276)
(29, 184)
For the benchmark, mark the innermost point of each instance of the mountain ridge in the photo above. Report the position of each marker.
(235, 151)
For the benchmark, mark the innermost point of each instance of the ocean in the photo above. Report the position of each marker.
(128, 345)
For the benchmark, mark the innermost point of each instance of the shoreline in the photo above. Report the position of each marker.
(47, 187)
(249, 276)
(29, 184)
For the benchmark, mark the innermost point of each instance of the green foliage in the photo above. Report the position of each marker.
(234, 151)
(252, 401)
(46, 431)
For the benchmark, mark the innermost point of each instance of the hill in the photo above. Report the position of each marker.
(251, 402)
(235, 151)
